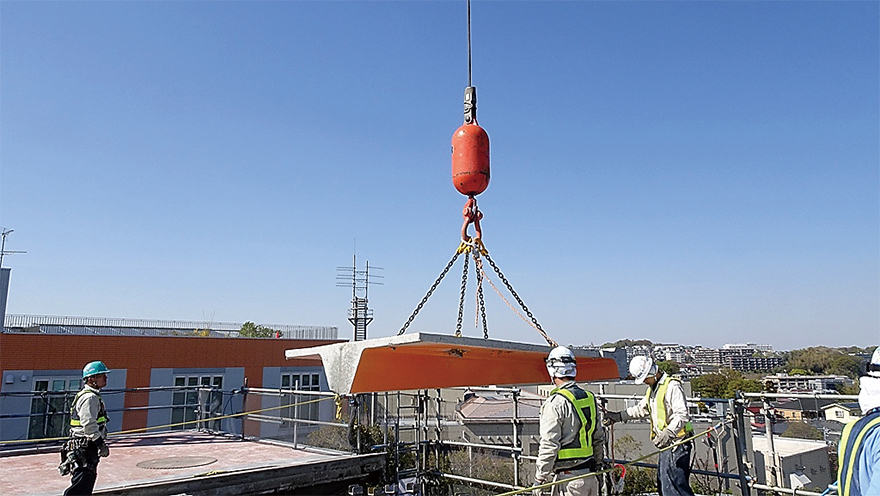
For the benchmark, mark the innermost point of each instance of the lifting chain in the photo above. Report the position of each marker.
(430, 292)
(464, 276)
(519, 300)
(481, 302)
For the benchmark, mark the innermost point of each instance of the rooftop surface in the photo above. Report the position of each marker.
(209, 464)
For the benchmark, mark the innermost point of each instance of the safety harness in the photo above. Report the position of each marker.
(74, 414)
(584, 404)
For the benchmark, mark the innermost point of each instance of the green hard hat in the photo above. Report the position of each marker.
(94, 368)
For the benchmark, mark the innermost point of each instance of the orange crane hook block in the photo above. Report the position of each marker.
(470, 151)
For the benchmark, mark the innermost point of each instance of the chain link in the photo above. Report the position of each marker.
(430, 292)
(481, 301)
(464, 276)
(519, 300)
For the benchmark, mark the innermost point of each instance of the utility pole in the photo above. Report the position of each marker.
(360, 315)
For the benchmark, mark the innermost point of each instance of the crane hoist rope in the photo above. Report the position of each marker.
(470, 176)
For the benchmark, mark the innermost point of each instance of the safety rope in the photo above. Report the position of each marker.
(550, 485)
(550, 340)
(519, 300)
(165, 426)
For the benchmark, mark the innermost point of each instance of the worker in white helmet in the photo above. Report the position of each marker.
(665, 405)
(88, 430)
(572, 436)
(858, 472)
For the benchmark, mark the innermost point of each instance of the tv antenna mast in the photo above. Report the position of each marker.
(3, 250)
(360, 315)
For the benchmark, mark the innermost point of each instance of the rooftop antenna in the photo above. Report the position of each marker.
(3, 250)
(360, 315)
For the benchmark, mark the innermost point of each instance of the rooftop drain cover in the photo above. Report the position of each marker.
(177, 462)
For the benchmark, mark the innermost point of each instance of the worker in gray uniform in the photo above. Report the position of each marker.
(665, 405)
(88, 430)
(572, 435)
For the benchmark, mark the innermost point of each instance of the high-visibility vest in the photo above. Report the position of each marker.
(74, 414)
(659, 406)
(584, 404)
(849, 450)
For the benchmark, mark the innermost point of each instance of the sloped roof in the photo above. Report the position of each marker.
(499, 408)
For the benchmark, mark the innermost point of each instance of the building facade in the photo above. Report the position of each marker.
(153, 382)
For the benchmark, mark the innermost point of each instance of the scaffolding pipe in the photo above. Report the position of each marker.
(484, 482)
(739, 435)
(786, 490)
(773, 475)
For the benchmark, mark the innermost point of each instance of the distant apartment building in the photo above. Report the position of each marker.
(748, 363)
(707, 357)
(750, 347)
(671, 352)
(633, 351)
(807, 383)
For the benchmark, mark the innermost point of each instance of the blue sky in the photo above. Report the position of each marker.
(692, 172)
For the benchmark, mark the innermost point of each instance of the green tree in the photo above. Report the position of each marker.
(823, 360)
(852, 389)
(802, 430)
(251, 330)
(724, 384)
(669, 366)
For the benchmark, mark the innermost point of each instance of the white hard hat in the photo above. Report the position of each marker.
(641, 367)
(561, 362)
(873, 368)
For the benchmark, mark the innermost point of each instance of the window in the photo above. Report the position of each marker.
(50, 407)
(838, 413)
(299, 408)
(197, 396)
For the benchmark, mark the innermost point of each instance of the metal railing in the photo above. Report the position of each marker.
(289, 415)
(54, 324)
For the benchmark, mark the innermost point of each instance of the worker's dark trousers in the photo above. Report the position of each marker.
(674, 473)
(83, 478)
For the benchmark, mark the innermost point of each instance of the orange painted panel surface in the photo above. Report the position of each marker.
(433, 365)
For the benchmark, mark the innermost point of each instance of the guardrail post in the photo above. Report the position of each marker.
(243, 405)
(737, 406)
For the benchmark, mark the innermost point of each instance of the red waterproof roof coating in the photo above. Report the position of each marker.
(430, 361)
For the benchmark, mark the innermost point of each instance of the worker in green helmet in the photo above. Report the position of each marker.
(572, 436)
(88, 430)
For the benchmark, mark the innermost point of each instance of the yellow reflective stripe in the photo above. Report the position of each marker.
(845, 486)
(76, 422)
(660, 406)
(587, 428)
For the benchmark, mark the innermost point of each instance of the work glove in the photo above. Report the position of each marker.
(612, 417)
(537, 492)
(664, 439)
(103, 449)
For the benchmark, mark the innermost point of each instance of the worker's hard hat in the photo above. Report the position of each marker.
(641, 367)
(873, 368)
(94, 368)
(561, 362)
